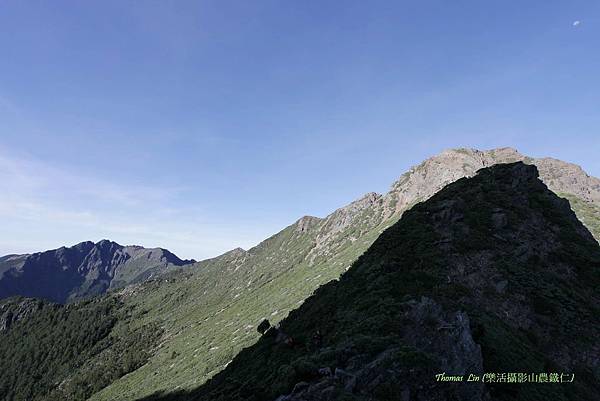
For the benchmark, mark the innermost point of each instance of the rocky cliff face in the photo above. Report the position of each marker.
(427, 178)
(84, 270)
(492, 274)
(376, 211)
(13, 310)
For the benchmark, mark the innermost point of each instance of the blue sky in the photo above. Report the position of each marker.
(202, 126)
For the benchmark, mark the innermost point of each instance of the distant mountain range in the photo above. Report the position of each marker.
(84, 270)
(208, 311)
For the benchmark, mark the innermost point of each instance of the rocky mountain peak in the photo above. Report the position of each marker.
(236, 252)
(427, 178)
(107, 244)
(305, 223)
(83, 270)
(367, 200)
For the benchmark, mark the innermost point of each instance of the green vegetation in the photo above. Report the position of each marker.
(211, 313)
(70, 352)
(588, 213)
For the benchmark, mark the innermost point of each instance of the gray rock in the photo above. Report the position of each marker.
(16, 309)
(300, 387)
(499, 220)
(347, 380)
(501, 286)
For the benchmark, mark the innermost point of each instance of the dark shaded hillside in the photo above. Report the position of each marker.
(492, 274)
(81, 271)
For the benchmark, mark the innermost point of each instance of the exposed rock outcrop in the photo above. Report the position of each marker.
(15, 309)
(427, 328)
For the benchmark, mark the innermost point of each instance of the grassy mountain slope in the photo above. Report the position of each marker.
(492, 274)
(587, 212)
(210, 313)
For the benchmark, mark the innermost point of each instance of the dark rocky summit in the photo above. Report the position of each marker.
(492, 274)
(81, 271)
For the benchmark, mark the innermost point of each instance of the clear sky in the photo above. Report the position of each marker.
(201, 126)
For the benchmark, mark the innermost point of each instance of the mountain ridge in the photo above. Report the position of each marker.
(208, 311)
(278, 274)
(82, 270)
(492, 274)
